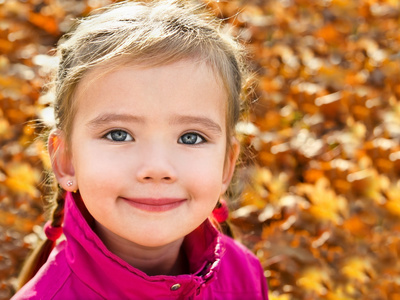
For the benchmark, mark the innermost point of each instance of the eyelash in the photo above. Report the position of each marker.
(108, 136)
(203, 139)
(126, 135)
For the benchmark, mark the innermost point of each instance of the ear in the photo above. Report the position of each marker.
(61, 161)
(230, 164)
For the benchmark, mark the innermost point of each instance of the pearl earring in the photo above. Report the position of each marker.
(69, 183)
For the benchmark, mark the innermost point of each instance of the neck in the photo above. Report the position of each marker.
(163, 260)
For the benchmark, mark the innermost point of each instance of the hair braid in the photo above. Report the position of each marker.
(57, 215)
(40, 255)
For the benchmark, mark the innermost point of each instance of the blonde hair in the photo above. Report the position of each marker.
(149, 34)
(139, 33)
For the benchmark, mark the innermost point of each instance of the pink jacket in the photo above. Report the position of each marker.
(81, 267)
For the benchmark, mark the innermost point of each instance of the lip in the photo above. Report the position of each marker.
(155, 204)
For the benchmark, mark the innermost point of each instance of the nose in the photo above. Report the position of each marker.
(156, 165)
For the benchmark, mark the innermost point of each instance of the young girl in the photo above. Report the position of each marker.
(147, 98)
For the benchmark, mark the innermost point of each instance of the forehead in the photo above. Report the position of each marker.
(185, 85)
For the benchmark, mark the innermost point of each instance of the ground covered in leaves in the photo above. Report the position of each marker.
(321, 191)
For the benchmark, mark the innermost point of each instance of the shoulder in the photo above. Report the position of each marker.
(241, 275)
(54, 280)
(235, 253)
(51, 276)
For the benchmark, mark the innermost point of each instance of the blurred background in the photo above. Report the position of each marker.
(320, 203)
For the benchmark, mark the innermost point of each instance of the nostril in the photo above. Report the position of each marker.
(155, 176)
(163, 178)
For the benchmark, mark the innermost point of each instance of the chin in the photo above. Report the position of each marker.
(155, 243)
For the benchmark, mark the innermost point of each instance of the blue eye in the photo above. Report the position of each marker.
(119, 136)
(191, 139)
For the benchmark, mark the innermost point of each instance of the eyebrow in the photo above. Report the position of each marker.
(199, 120)
(107, 118)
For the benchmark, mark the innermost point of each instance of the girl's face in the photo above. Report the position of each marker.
(148, 150)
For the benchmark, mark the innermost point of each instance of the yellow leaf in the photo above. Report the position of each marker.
(358, 268)
(314, 279)
(325, 204)
(22, 178)
(393, 201)
(273, 296)
(5, 131)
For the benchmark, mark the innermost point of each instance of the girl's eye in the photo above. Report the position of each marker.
(191, 139)
(119, 136)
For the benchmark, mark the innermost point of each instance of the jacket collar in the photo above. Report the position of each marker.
(112, 277)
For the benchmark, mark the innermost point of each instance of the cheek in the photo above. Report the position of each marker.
(96, 170)
(204, 176)
(211, 161)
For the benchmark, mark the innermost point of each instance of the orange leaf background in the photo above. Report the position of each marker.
(320, 189)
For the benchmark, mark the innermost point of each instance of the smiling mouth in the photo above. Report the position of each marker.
(155, 204)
